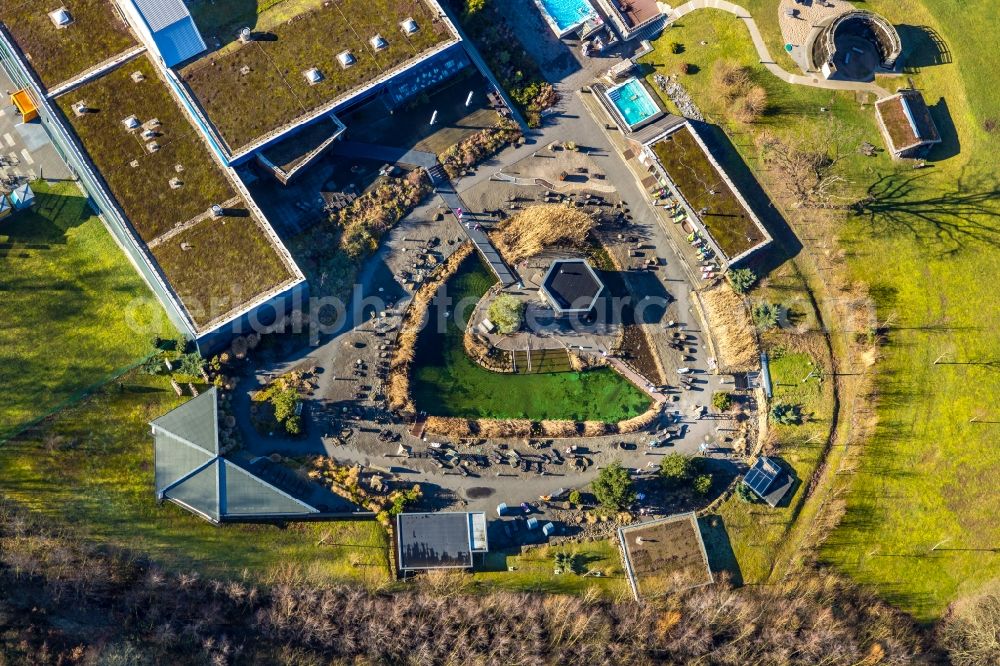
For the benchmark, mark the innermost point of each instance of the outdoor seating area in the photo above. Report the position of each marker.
(212, 248)
(334, 38)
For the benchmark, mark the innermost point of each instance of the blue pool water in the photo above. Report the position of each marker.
(566, 14)
(633, 102)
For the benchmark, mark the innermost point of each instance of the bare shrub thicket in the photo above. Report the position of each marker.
(970, 631)
(538, 228)
(735, 88)
(116, 600)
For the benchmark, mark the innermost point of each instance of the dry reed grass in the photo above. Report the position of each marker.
(732, 328)
(398, 383)
(539, 228)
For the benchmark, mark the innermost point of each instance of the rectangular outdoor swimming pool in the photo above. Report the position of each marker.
(564, 16)
(634, 103)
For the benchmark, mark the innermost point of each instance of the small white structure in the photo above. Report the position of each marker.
(131, 123)
(61, 18)
(346, 59)
(378, 42)
(79, 108)
(152, 146)
(138, 77)
(409, 26)
(313, 75)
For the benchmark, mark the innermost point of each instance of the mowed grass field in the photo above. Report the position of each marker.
(90, 469)
(920, 521)
(72, 307)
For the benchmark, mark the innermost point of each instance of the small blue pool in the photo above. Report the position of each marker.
(564, 16)
(634, 103)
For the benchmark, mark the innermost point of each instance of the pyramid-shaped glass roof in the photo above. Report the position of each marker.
(191, 471)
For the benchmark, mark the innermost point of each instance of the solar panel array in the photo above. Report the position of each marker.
(760, 478)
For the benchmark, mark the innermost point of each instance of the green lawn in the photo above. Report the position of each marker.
(68, 301)
(447, 383)
(90, 468)
(534, 570)
(757, 533)
(927, 250)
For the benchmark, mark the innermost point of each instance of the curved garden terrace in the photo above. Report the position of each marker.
(446, 382)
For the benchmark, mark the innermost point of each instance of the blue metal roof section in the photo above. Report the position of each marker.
(176, 36)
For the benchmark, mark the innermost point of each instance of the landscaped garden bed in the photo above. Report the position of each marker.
(446, 382)
(248, 90)
(478, 147)
(507, 58)
(707, 191)
(58, 54)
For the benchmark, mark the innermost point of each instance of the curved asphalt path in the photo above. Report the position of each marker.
(765, 56)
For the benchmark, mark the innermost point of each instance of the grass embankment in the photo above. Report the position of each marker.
(926, 246)
(799, 363)
(90, 468)
(96, 34)
(446, 382)
(68, 302)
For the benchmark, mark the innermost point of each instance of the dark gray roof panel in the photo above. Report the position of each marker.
(195, 422)
(200, 491)
(246, 495)
(434, 540)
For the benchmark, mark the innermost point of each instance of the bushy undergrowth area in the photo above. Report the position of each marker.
(65, 601)
(507, 58)
(480, 146)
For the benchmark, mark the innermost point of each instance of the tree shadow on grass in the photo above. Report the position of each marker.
(945, 221)
(46, 223)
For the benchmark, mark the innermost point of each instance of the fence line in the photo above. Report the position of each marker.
(74, 399)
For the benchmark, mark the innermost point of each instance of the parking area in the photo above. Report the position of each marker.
(26, 153)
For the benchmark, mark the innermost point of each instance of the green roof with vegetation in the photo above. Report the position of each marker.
(266, 74)
(224, 262)
(58, 54)
(705, 188)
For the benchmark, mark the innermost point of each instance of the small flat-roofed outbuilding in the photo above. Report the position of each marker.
(571, 287)
(443, 540)
(768, 480)
(906, 124)
(664, 555)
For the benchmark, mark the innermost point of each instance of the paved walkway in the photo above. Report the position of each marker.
(628, 373)
(454, 202)
(765, 56)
